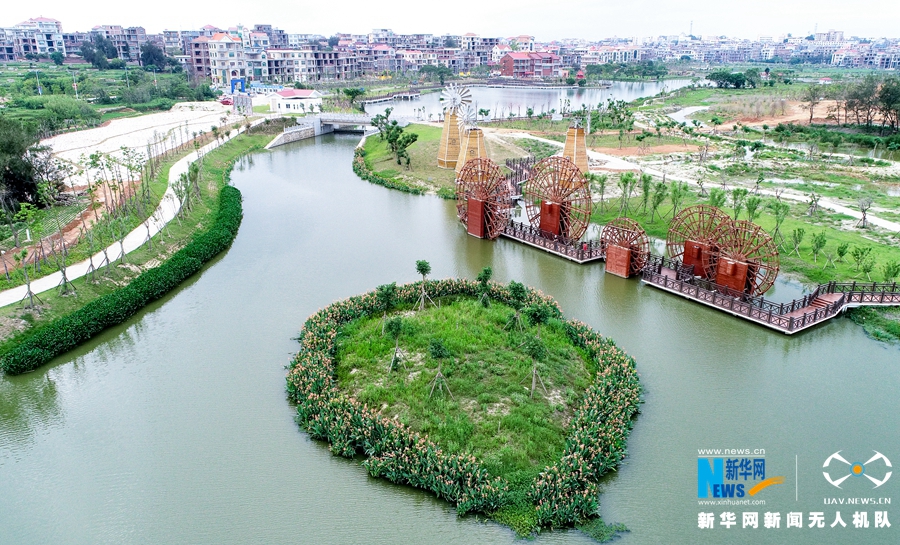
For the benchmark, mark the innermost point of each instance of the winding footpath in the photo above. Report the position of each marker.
(168, 207)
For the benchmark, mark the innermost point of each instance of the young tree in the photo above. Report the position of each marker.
(753, 205)
(439, 352)
(780, 211)
(860, 254)
(890, 270)
(538, 314)
(484, 278)
(394, 328)
(536, 350)
(738, 195)
(660, 190)
(818, 242)
(627, 182)
(20, 257)
(864, 204)
(646, 189)
(717, 197)
(424, 268)
(517, 294)
(842, 251)
(386, 297)
(813, 202)
(796, 239)
(811, 97)
(867, 266)
(598, 183)
(677, 194)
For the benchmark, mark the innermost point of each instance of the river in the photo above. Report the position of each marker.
(502, 101)
(175, 428)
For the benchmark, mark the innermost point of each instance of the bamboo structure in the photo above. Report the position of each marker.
(449, 149)
(576, 148)
(472, 147)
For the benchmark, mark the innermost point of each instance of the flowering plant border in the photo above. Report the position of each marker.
(564, 493)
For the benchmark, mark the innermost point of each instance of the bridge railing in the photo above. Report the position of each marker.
(363, 119)
(780, 315)
(576, 249)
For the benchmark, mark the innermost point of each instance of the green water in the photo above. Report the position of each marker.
(174, 427)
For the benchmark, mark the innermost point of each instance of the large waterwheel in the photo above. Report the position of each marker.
(745, 259)
(627, 247)
(693, 234)
(482, 198)
(558, 198)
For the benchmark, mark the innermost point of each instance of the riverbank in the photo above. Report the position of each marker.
(334, 407)
(187, 238)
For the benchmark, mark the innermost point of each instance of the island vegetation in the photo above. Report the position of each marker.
(481, 393)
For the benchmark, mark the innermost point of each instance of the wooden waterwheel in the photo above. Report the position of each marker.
(482, 198)
(558, 198)
(745, 259)
(693, 234)
(627, 247)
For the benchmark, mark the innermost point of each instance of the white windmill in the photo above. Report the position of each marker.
(471, 138)
(465, 118)
(454, 100)
(453, 97)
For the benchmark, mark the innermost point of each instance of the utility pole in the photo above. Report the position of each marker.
(75, 85)
(37, 75)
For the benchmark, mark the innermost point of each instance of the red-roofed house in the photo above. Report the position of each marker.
(522, 64)
(296, 101)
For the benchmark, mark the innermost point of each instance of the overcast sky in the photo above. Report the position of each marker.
(546, 20)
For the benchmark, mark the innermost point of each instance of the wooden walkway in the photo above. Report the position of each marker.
(822, 304)
(577, 251)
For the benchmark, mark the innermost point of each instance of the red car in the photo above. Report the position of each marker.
(227, 101)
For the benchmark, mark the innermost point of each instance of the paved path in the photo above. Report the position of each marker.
(164, 213)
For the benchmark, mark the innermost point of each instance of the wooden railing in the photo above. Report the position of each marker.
(575, 249)
(779, 315)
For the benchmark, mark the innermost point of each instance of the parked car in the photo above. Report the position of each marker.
(227, 101)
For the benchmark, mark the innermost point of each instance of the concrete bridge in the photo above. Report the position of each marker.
(327, 122)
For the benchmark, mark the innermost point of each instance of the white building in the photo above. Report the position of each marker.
(226, 58)
(295, 101)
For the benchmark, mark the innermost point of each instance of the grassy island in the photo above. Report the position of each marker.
(513, 418)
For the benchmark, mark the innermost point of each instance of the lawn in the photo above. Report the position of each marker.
(489, 412)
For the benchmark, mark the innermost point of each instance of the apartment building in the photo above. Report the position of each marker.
(226, 57)
(39, 36)
(127, 40)
(7, 45)
(521, 64)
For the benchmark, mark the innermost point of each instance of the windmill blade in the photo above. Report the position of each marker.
(465, 117)
(455, 97)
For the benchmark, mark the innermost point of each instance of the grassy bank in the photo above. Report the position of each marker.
(187, 244)
(423, 174)
(423, 171)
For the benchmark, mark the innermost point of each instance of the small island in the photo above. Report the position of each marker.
(481, 393)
